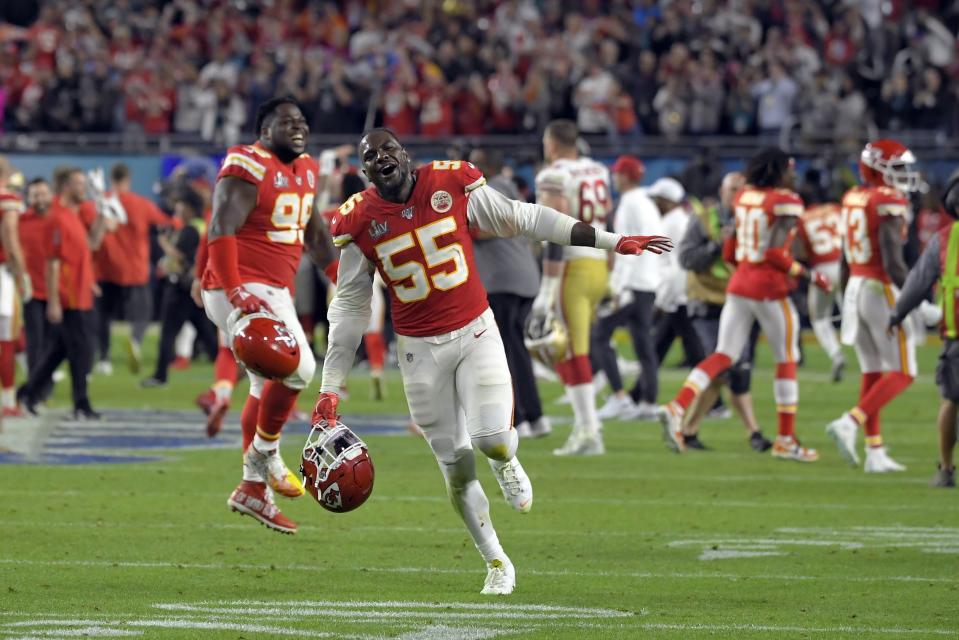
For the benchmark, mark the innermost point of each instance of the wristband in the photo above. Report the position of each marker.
(224, 259)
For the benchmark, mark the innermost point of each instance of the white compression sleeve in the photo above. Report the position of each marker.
(494, 213)
(349, 315)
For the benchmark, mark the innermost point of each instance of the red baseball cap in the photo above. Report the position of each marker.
(631, 166)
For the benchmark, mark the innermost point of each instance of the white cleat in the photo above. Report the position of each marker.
(878, 461)
(615, 407)
(514, 483)
(843, 432)
(580, 444)
(500, 578)
(672, 426)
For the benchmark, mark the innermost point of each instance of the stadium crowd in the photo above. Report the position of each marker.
(438, 68)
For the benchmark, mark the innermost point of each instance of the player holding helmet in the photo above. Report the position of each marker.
(413, 226)
(873, 221)
(263, 206)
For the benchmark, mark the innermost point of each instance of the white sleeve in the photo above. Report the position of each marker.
(349, 315)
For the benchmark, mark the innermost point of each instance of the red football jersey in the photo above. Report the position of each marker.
(422, 248)
(863, 210)
(270, 242)
(819, 233)
(756, 210)
(10, 202)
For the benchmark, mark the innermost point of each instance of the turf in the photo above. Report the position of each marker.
(640, 543)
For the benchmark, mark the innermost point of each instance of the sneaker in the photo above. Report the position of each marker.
(514, 484)
(878, 461)
(843, 432)
(759, 443)
(641, 411)
(523, 430)
(215, 415)
(788, 448)
(180, 363)
(500, 578)
(722, 412)
(253, 499)
(133, 355)
(672, 428)
(693, 442)
(944, 478)
(271, 466)
(599, 381)
(206, 400)
(377, 389)
(104, 367)
(26, 402)
(152, 383)
(838, 366)
(616, 406)
(85, 413)
(581, 445)
(540, 428)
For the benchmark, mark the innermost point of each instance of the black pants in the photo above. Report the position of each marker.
(637, 317)
(71, 340)
(510, 312)
(677, 324)
(176, 308)
(134, 304)
(37, 331)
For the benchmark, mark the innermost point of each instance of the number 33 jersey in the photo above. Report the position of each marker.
(270, 242)
(585, 185)
(422, 248)
(756, 211)
(863, 210)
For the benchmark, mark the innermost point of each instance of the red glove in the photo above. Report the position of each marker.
(247, 302)
(325, 409)
(821, 281)
(635, 245)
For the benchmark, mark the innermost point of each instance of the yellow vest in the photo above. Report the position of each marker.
(710, 285)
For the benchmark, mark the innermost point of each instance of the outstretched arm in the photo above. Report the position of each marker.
(349, 315)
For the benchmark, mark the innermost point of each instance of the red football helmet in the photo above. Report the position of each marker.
(263, 344)
(888, 163)
(337, 468)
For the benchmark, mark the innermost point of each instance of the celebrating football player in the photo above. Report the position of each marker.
(873, 220)
(413, 227)
(263, 206)
(766, 211)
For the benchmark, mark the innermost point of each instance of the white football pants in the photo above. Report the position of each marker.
(867, 305)
(777, 319)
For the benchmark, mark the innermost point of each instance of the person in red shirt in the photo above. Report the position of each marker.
(122, 266)
(68, 249)
(33, 231)
(14, 286)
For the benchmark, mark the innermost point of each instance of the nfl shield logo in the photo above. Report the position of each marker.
(407, 213)
(280, 181)
(409, 357)
(309, 179)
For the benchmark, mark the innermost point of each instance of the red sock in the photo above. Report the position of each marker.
(225, 367)
(375, 350)
(251, 410)
(699, 378)
(786, 391)
(8, 354)
(308, 324)
(880, 393)
(276, 403)
(575, 370)
(872, 421)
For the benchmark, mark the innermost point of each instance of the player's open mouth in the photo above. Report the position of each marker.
(297, 139)
(387, 171)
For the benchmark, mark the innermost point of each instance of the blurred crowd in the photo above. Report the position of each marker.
(436, 68)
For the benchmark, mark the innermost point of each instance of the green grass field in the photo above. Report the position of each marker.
(640, 543)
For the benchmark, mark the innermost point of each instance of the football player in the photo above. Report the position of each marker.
(766, 211)
(263, 206)
(873, 226)
(14, 286)
(820, 245)
(413, 227)
(575, 277)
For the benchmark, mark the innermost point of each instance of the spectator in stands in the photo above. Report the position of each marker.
(775, 96)
(122, 265)
(594, 100)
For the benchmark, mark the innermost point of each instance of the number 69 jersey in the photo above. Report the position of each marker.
(863, 210)
(271, 239)
(422, 248)
(585, 185)
(756, 210)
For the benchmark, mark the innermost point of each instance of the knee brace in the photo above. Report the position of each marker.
(499, 446)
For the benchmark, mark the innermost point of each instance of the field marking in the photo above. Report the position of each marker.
(768, 628)
(639, 575)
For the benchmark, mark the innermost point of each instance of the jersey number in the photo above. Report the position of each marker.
(410, 280)
(751, 227)
(822, 235)
(291, 213)
(858, 248)
(593, 201)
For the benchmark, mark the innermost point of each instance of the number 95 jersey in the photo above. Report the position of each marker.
(270, 241)
(422, 248)
(585, 185)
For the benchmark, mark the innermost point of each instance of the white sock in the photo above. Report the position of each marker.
(583, 399)
(250, 475)
(9, 398)
(183, 346)
(222, 391)
(265, 446)
(471, 504)
(826, 335)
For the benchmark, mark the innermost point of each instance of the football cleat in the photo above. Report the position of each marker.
(500, 578)
(263, 344)
(514, 483)
(580, 444)
(788, 448)
(878, 461)
(838, 366)
(253, 499)
(271, 466)
(672, 425)
(206, 400)
(336, 467)
(843, 432)
(214, 418)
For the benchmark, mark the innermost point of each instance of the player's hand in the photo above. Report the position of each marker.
(196, 291)
(635, 245)
(54, 313)
(26, 290)
(821, 281)
(893, 325)
(247, 302)
(325, 409)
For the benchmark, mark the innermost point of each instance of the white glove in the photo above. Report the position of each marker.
(97, 183)
(327, 162)
(541, 313)
(931, 314)
(113, 209)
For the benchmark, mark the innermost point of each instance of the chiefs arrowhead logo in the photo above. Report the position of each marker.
(331, 496)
